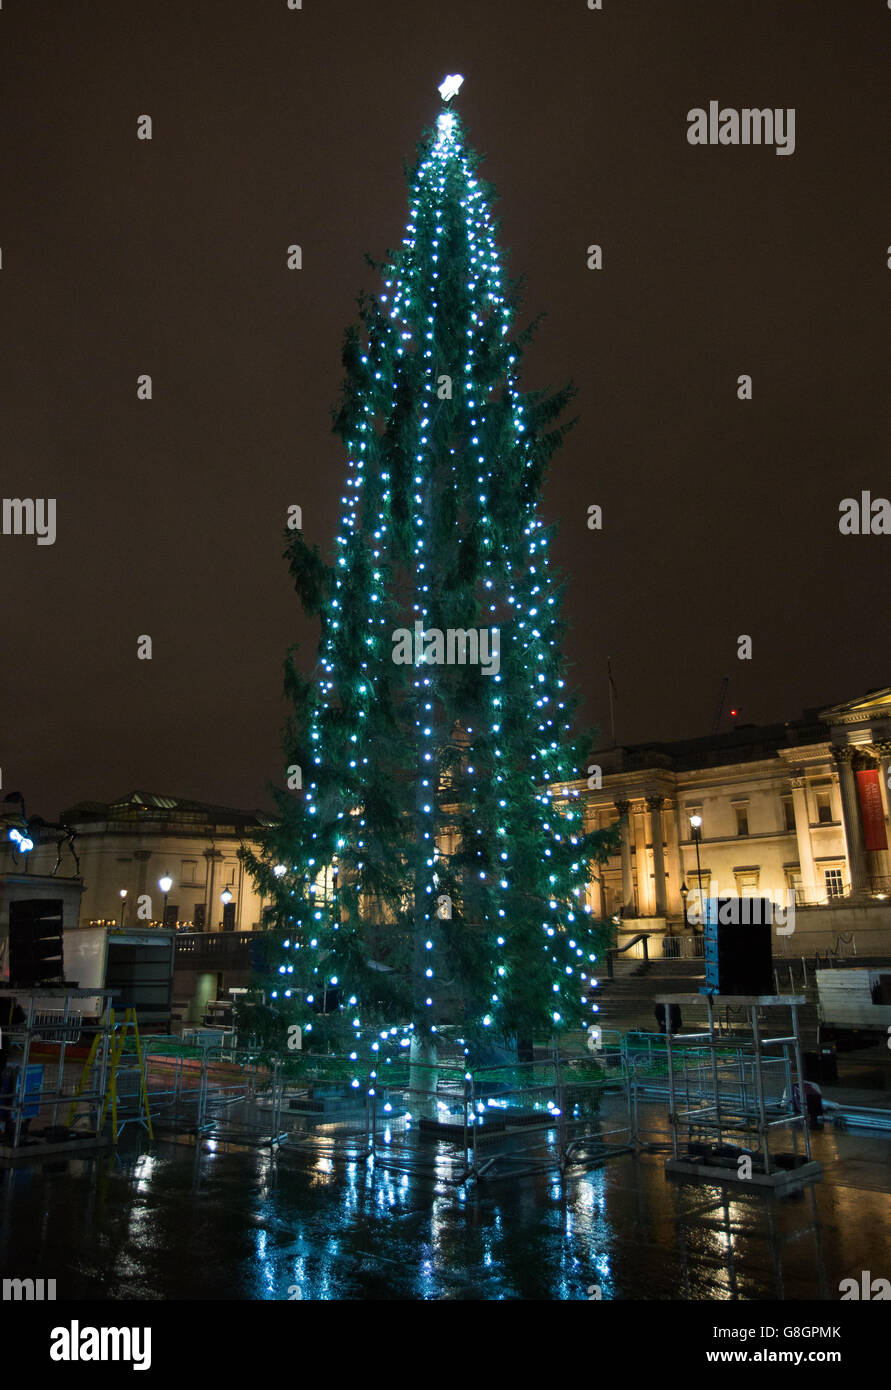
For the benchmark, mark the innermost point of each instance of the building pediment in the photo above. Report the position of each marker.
(876, 705)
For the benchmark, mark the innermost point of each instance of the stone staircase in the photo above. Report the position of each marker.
(628, 1000)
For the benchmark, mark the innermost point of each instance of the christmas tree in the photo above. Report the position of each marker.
(427, 883)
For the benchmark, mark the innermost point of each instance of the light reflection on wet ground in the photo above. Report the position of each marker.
(180, 1223)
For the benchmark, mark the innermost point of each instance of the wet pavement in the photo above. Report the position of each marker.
(176, 1222)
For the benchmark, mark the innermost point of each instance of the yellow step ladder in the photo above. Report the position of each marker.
(119, 1034)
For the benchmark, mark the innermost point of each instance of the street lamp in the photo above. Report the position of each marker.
(225, 899)
(684, 891)
(165, 884)
(123, 896)
(696, 829)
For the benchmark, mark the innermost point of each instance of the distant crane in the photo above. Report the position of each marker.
(720, 707)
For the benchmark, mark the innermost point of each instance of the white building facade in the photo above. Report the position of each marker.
(793, 812)
(125, 848)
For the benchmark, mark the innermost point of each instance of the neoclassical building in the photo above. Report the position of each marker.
(124, 848)
(789, 809)
(800, 808)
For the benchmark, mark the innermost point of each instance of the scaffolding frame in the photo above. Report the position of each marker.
(729, 1100)
(38, 1023)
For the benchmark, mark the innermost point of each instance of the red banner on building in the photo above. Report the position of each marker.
(872, 812)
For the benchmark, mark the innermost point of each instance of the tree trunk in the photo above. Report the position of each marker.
(422, 1078)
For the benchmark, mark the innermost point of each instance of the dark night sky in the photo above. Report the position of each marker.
(271, 127)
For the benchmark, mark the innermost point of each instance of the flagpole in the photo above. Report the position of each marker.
(612, 708)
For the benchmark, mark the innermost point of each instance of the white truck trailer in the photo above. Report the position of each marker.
(851, 1001)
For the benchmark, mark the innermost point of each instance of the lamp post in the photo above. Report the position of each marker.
(696, 829)
(165, 884)
(225, 899)
(123, 896)
(684, 890)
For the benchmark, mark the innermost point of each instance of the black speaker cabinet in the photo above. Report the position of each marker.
(35, 943)
(738, 950)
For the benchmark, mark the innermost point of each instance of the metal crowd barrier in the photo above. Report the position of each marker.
(453, 1124)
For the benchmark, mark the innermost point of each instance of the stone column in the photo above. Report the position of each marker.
(595, 885)
(623, 808)
(142, 857)
(803, 836)
(851, 816)
(211, 855)
(882, 752)
(675, 862)
(644, 890)
(654, 806)
(240, 898)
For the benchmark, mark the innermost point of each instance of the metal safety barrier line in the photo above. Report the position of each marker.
(860, 1116)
